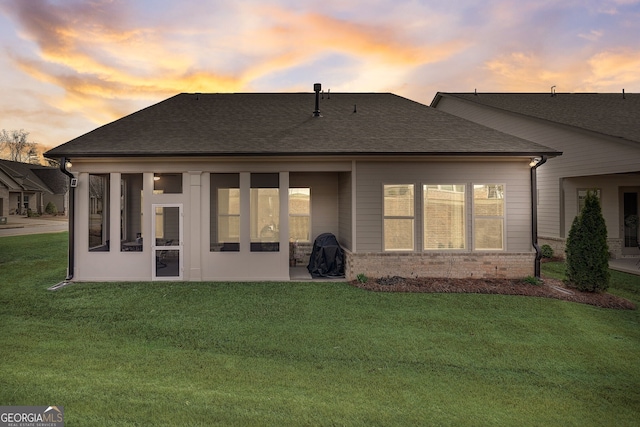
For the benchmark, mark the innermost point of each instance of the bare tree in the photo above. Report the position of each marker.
(15, 146)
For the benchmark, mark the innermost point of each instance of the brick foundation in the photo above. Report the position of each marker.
(440, 264)
(558, 245)
(299, 254)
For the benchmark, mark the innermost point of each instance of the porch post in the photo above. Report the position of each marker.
(195, 235)
(284, 222)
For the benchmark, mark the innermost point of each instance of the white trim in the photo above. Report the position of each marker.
(503, 217)
(179, 248)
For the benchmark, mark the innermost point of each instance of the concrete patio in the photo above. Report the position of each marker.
(626, 265)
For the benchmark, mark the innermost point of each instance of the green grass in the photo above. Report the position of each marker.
(622, 284)
(203, 354)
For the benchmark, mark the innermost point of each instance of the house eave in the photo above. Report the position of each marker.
(306, 155)
(610, 136)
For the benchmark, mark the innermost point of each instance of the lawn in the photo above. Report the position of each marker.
(292, 354)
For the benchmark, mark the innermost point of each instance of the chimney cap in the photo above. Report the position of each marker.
(317, 87)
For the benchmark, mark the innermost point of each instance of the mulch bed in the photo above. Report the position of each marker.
(550, 288)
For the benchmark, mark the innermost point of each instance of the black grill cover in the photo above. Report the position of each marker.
(327, 257)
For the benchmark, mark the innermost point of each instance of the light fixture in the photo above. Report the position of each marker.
(534, 161)
(68, 164)
(156, 178)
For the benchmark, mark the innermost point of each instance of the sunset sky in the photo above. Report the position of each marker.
(69, 66)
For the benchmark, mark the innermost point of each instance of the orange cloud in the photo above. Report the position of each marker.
(522, 72)
(313, 32)
(608, 71)
(99, 60)
(614, 70)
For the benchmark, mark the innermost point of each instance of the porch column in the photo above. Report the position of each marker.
(245, 217)
(284, 223)
(195, 235)
(354, 213)
(115, 214)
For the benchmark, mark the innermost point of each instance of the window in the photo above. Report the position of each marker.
(98, 212)
(488, 213)
(300, 214)
(225, 212)
(131, 212)
(264, 212)
(167, 183)
(582, 195)
(444, 216)
(398, 217)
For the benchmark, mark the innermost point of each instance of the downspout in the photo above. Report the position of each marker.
(534, 215)
(72, 226)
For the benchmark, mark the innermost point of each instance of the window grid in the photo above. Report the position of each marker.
(399, 217)
(488, 216)
(444, 216)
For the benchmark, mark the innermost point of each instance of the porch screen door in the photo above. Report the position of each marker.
(167, 243)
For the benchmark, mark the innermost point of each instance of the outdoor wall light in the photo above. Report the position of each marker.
(68, 164)
(156, 178)
(534, 161)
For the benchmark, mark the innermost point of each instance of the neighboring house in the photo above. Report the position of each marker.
(599, 135)
(223, 186)
(24, 187)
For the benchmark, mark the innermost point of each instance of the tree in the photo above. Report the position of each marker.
(18, 146)
(587, 250)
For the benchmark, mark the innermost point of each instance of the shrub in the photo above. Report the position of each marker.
(531, 280)
(362, 278)
(51, 209)
(587, 250)
(546, 251)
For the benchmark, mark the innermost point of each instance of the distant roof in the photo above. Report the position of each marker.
(30, 177)
(53, 178)
(605, 113)
(261, 124)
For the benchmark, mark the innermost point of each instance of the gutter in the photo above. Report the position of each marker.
(534, 215)
(72, 193)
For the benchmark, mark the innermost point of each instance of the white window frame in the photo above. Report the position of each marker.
(502, 217)
(465, 216)
(178, 248)
(392, 217)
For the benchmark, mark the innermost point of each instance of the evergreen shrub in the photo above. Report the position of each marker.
(546, 251)
(587, 250)
(51, 209)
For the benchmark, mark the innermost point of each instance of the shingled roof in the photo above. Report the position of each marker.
(611, 114)
(261, 124)
(29, 177)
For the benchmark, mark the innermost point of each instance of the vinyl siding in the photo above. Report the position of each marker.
(371, 176)
(324, 200)
(584, 154)
(344, 210)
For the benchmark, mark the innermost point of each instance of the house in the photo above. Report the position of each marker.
(599, 135)
(213, 187)
(25, 186)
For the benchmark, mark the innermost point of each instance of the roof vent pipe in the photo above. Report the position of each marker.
(317, 87)
(623, 97)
